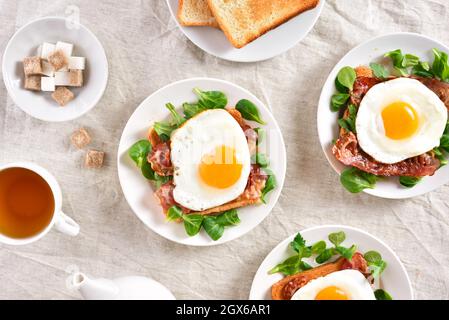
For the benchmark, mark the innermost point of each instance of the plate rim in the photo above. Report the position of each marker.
(319, 7)
(285, 242)
(280, 180)
(371, 192)
(11, 91)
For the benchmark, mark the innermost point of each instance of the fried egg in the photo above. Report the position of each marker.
(211, 160)
(340, 285)
(400, 119)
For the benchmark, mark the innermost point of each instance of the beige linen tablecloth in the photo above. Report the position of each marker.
(147, 51)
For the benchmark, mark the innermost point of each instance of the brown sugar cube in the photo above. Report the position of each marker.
(32, 66)
(62, 96)
(76, 78)
(94, 159)
(80, 138)
(33, 83)
(58, 59)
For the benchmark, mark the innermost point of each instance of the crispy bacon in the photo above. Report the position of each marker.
(348, 151)
(160, 159)
(357, 262)
(361, 86)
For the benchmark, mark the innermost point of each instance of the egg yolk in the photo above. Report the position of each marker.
(331, 293)
(220, 169)
(400, 120)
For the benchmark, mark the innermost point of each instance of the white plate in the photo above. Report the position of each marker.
(138, 191)
(273, 43)
(365, 53)
(40, 104)
(394, 279)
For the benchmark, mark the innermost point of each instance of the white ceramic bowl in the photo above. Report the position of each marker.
(394, 279)
(40, 104)
(273, 43)
(371, 51)
(139, 192)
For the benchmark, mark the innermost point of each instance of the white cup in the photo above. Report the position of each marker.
(60, 221)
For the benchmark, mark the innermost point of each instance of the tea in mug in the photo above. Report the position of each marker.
(26, 203)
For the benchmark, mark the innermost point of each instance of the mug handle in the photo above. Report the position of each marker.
(66, 225)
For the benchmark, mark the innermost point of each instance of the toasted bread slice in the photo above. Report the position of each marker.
(195, 13)
(244, 21)
(278, 292)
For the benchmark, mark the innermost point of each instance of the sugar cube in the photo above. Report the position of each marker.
(94, 159)
(62, 96)
(77, 63)
(33, 83)
(32, 66)
(80, 138)
(47, 69)
(58, 59)
(67, 48)
(48, 84)
(76, 78)
(62, 78)
(47, 49)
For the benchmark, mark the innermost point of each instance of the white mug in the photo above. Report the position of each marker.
(60, 221)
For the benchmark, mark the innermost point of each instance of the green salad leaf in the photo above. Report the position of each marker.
(177, 118)
(213, 225)
(440, 67)
(409, 182)
(211, 99)
(422, 69)
(402, 62)
(139, 152)
(337, 238)
(346, 78)
(339, 100)
(319, 247)
(192, 223)
(355, 180)
(249, 111)
(261, 135)
(349, 123)
(270, 184)
(379, 71)
(164, 130)
(375, 263)
(260, 159)
(381, 294)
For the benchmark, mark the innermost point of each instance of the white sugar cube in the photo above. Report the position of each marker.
(67, 48)
(48, 84)
(77, 63)
(46, 49)
(47, 69)
(62, 78)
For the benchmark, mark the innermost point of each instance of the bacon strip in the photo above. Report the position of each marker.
(160, 160)
(347, 149)
(348, 152)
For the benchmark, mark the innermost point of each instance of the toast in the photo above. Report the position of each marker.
(243, 21)
(278, 289)
(195, 13)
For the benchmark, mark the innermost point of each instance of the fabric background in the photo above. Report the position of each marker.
(147, 51)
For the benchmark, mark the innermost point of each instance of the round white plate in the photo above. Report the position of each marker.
(371, 51)
(394, 279)
(139, 192)
(273, 43)
(40, 105)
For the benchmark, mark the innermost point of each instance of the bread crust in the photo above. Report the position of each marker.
(223, 26)
(191, 23)
(277, 290)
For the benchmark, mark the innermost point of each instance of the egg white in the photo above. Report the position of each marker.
(199, 136)
(431, 112)
(352, 282)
